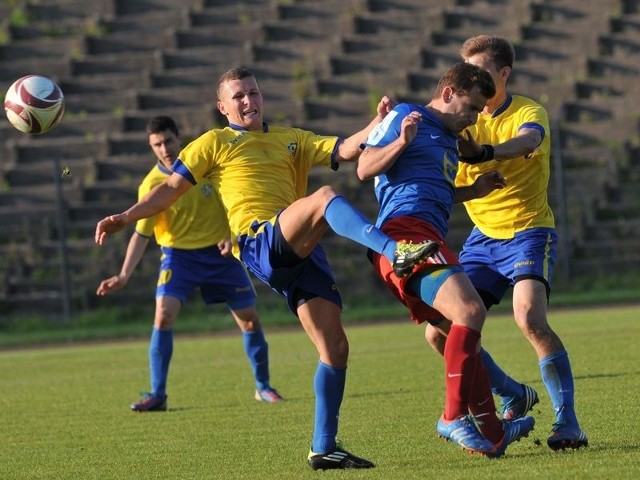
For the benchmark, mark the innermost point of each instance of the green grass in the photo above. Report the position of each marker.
(65, 408)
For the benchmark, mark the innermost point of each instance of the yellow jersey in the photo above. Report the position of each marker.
(195, 220)
(523, 203)
(257, 174)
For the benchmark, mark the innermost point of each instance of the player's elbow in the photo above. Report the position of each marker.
(363, 173)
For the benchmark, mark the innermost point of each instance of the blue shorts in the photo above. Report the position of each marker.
(270, 258)
(495, 265)
(220, 279)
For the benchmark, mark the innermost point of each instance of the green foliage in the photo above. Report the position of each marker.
(65, 409)
(302, 80)
(18, 17)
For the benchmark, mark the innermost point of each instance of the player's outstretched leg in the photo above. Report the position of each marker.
(348, 222)
(409, 255)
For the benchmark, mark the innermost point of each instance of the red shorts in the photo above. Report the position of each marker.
(412, 230)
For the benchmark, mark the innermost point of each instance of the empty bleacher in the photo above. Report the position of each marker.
(322, 66)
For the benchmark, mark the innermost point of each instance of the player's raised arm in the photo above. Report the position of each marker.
(350, 148)
(154, 202)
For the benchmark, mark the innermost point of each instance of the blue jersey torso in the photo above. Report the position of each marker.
(421, 181)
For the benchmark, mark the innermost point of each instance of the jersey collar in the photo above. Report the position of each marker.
(503, 107)
(164, 169)
(265, 127)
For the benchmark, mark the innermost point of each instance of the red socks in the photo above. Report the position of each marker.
(467, 381)
(460, 359)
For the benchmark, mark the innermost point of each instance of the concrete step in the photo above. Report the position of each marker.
(44, 48)
(36, 180)
(67, 9)
(149, 23)
(54, 68)
(114, 103)
(45, 148)
(206, 57)
(124, 169)
(131, 42)
(93, 211)
(101, 83)
(219, 37)
(117, 63)
(191, 121)
(127, 7)
(122, 191)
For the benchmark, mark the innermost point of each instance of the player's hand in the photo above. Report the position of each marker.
(108, 226)
(488, 182)
(467, 145)
(409, 127)
(385, 105)
(110, 285)
(225, 247)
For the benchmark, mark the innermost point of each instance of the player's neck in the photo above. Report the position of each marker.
(496, 102)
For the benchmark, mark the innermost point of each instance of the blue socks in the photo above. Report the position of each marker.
(501, 384)
(258, 353)
(348, 222)
(160, 351)
(558, 378)
(329, 388)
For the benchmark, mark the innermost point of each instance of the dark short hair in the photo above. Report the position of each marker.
(499, 49)
(462, 77)
(235, 73)
(162, 123)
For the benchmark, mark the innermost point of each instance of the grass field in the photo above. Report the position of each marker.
(64, 410)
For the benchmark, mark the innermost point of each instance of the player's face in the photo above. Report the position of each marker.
(499, 76)
(241, 102)
(461, 110)
(166, 146)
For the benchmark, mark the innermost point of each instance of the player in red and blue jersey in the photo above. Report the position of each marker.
(413, 155)
(514, 241)
(260, 172)
(193, 236)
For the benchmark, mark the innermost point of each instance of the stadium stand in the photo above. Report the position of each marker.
(322, 66)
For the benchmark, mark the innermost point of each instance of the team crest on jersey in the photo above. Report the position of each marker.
(450, 167)
(207, 190)
(292, 147)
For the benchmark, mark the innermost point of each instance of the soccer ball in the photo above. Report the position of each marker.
(34, 104)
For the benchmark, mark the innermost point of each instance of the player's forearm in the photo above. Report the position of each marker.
(463, 194)
(157, 200)
(521, 146)
(135, 251)
(377, 160)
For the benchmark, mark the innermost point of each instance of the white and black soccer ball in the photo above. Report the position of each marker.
(34, 104)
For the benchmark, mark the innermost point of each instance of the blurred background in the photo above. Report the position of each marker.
(322, 65)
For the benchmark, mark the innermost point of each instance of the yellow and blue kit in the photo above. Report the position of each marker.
(514, 235)
(188, 232)
(259, 174)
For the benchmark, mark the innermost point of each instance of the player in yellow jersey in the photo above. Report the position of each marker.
(513, 243)
(261, 172)
(194, 237)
